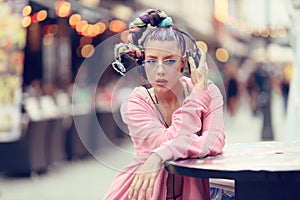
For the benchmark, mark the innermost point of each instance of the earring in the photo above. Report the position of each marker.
(119, 67)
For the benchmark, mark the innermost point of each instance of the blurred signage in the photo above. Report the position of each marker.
(12, 42)
(91, 14)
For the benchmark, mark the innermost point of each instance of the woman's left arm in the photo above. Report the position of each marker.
(210, 142)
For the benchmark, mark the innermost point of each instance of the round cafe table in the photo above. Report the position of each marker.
(260, 170)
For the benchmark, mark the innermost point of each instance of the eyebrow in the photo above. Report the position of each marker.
(151, 56)
(167, 57)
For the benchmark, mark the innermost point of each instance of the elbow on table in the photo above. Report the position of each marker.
(218, 147)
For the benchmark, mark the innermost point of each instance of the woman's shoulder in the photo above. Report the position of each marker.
(139, 94)
(139, 97)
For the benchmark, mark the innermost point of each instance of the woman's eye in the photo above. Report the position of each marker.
(170, 61)
(150, 61)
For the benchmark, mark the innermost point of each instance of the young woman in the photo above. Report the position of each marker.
(177, 117)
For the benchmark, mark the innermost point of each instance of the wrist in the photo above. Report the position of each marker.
(156, 157)
(202, 85)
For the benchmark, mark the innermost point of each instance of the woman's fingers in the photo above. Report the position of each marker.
(151, 186)
(144, 188)
(140, 185)
(145, 178)
(203, 56)
(131, 189)
(199, 75)
(203, 68)
(192, 63)
(137, 187)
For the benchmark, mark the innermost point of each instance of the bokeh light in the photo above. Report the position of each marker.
(222, 55)
(117, 26)
(41, 15)
(26, 10)
(87, 51)
(74, 19)
(26, 21)
(63, 8)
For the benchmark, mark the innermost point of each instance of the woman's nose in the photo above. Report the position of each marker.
(160, 69)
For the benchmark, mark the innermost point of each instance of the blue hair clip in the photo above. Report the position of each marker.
(166, 22)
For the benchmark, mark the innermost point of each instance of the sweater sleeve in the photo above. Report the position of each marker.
(210, 142)
(145, 126)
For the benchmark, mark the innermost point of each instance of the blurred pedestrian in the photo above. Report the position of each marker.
(232, 88)
(264, 99)
(285, 85)
(252, 89)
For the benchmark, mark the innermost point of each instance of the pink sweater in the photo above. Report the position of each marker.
(201, 111)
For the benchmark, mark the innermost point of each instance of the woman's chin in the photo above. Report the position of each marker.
(161, 88)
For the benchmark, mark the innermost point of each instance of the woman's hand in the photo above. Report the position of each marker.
(199, 75)
(145, 178)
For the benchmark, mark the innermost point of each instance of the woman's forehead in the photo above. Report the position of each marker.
(162, 46)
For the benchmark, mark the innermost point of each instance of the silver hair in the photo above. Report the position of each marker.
(166, 34)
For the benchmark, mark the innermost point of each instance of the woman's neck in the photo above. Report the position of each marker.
(172, 96)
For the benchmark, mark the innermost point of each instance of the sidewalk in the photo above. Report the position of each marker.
(90, 179)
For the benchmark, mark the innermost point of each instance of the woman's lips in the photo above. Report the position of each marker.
(161, 82)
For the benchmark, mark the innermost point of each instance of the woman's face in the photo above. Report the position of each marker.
(163, 63)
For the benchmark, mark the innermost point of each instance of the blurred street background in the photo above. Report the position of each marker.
(61, 134)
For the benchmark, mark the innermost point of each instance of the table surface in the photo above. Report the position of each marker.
(244, 158)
